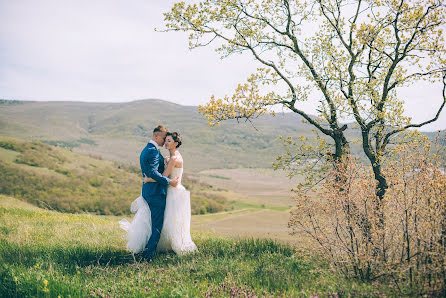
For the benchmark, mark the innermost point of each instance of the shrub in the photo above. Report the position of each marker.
(401, 239)
(11, 145)
(202, 203)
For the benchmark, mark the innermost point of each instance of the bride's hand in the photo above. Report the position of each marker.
(166, 160)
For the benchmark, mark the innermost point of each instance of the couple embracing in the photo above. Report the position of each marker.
(162, 212)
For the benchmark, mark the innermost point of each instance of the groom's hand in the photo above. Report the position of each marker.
(174, 181)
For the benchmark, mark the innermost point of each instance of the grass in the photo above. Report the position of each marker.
(264, 188)
(212, 217)
(240, 205)
(218, 177)
(70, 145)
(8, 155)
(48, 254)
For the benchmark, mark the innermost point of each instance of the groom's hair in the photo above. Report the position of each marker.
(160, 128)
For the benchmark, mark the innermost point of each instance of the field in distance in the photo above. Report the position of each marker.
(263, 198)
(258, 186)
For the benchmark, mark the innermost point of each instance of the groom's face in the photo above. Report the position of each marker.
(160, 138)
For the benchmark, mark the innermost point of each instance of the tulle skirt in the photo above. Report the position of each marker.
(175, 234)
(140, 229)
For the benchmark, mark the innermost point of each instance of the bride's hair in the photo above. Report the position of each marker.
(176, 137)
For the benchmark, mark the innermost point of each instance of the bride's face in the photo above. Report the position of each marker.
(169, 143)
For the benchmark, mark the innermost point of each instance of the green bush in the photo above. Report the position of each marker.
(203, 202)
(11, 145)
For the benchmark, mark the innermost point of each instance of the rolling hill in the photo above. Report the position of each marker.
(119, 131)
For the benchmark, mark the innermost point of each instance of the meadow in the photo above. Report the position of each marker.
(233, 202)
(262, 201)
(255, 186)
(45, 253)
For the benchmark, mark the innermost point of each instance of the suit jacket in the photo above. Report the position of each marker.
(152, 165)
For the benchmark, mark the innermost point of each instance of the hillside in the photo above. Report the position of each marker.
(48, 254)
(119, 131)
(56, 178)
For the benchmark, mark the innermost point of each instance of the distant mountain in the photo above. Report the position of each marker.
(119, 131)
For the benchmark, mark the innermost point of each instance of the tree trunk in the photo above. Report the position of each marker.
(382, 185)
(340, 161)
(380, 191)
(342, 147)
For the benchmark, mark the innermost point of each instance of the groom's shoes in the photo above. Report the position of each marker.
(139, 258)
(148, 257)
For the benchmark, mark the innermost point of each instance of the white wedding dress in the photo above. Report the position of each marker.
(175, 234)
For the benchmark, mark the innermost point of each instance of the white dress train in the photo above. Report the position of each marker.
(140, 229)
(175, 234)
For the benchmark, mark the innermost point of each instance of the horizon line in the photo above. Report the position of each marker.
(155, 99)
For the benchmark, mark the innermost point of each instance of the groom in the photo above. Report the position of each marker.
(152, 165)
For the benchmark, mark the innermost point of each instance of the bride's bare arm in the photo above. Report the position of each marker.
(167, 170)
(170, 166)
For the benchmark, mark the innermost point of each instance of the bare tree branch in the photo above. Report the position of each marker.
(388, 135)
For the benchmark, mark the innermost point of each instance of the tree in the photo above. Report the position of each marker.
(352, 54)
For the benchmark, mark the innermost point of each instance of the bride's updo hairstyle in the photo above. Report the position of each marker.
(176, 137)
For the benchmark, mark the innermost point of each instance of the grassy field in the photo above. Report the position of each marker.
(245, 202)
(258, 186)
(49, 254)
(58, 179)
(248, 223)
(261, 198)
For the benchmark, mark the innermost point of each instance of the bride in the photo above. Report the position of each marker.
(175, 234)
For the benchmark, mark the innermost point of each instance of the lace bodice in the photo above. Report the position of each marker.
(177, 172)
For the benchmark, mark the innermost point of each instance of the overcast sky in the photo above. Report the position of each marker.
(108, 51)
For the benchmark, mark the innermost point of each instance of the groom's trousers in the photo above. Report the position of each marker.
(157, 205)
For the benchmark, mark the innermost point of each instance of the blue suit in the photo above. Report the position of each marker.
(152, 165)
